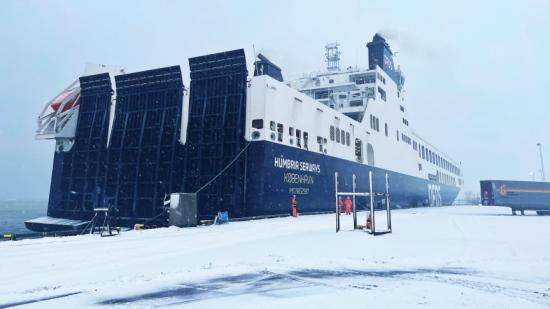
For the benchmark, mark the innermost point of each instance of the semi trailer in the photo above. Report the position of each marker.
(518, 195)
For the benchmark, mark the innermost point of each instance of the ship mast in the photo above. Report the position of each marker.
(332, 55)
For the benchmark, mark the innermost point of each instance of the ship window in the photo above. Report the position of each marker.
(305, 139)
(258, 123)
(272, 125)
(347, 138)
(342, 96)
(371, 121)
(280, 130)
(331, 81)
(323, 94)
(320, 142)
(397, 135)
(386, 128)
(382, 93)
(423, 153)
(332, 133)
(358, 150)
(337, 135)
(419, 166)
(343, 137)
(298, 138)
(375, 123)
(291, 131)
(402, 108)
(370, 155)
(415, 145)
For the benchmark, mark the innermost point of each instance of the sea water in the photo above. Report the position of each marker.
(13, 214)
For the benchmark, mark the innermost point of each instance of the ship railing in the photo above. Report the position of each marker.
(57, 114)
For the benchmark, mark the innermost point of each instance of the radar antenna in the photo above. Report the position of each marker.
(332, 55)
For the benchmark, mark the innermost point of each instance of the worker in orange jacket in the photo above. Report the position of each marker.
(340, 204)
(294, 204)
(348, 205)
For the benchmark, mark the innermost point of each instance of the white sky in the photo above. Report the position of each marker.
(477, 72)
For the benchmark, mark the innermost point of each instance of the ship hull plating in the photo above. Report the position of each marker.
(276, 172)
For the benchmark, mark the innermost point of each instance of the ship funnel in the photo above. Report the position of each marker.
(381, 55)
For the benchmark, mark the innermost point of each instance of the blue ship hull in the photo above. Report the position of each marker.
(270, 188)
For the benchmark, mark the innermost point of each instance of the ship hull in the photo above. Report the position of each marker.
(275, 172)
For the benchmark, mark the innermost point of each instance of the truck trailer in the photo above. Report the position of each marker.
(518, 195)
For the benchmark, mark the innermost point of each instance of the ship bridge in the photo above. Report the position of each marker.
(351, 90)
(348, 91)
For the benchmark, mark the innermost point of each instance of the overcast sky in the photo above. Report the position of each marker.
(477, 73)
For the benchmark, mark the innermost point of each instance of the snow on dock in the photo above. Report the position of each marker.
(445, 257)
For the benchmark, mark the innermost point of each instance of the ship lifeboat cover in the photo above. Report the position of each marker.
(70, 96)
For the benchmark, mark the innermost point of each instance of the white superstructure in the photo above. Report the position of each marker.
(354, 114)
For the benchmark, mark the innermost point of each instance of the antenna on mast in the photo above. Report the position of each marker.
(332, 55)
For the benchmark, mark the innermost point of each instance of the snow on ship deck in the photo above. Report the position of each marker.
(446, 257)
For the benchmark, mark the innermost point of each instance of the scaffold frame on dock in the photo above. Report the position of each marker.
(370, 227)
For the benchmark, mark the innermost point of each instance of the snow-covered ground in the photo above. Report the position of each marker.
(479, 257)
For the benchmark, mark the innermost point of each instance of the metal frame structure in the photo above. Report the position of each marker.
(60, 123)
(102, 222)
(371, 194)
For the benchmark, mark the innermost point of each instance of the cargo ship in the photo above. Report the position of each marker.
(242, 143)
